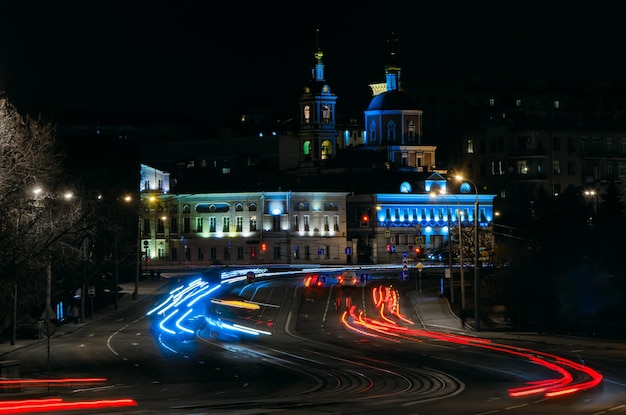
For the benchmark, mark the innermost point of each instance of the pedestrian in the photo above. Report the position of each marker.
(75, 314)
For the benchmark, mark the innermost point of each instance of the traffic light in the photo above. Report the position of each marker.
(418, 251)
(364, 218)
(388, 247)
(263, 246)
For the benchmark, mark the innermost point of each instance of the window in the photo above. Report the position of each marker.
(518, 102)
(239, 253)
(373, 132)
(276, 223)
(212, 224)
(226, 252)
(557, 104)
(326, 113)
(186, 225)
(522, 167)
(497, 168)
(411, 130)
(276, 251)
(252, 223)
(174, 254)
(307, 226)
(492, 102)
(336, 223)
(226, 224)
(173, 225)
(161, 252)
(296, 252)
(470, 146)
(556, 167)
(200, 254)
(146, 226)
(327, 252)
(391, 131)
(571, 145)
(296, 223)
(160, 225)
(238, 223)
(326, 223)
(571, 167)
(307, 253)
(326, 150)
(252, 207)
(198, 224)
(213, 252)
(307, 114)
(556, 144)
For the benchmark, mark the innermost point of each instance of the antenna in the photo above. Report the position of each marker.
(392, 44)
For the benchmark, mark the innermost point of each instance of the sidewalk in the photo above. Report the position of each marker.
(436, 314)
(146, 289)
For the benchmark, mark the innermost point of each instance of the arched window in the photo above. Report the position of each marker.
(326, 113)
(411, 130)
(372, 136)
(391, 131)
(327, 150)
(307, 114)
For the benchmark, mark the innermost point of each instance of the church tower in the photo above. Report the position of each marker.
(393, 124)
(318, 128)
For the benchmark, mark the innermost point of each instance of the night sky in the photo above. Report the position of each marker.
(185, 56)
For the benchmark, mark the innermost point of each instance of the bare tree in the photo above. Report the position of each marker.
(35, 225)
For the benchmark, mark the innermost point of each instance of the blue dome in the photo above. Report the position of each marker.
(392, 100)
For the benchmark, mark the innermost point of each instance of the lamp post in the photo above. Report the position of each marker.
(458, 219)
(476, 262)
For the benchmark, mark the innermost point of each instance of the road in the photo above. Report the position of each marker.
(321, 350)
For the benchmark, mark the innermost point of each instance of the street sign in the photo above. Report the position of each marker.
(419, 240)
(387, 234)
(419, 266)
(91, 291)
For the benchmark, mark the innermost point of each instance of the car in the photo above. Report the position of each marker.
(314, 280)
(348, 278)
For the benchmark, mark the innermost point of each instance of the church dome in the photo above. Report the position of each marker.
(392, 100)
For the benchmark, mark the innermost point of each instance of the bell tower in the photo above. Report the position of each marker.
(318, 128)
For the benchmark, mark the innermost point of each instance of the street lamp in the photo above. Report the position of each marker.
(476, 249)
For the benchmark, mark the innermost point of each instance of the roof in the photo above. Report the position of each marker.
(392, 100)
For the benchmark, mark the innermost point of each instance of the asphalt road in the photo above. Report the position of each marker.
(313, 357)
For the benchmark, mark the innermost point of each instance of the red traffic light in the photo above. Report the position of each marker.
(263, 246)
